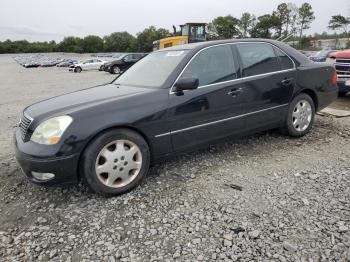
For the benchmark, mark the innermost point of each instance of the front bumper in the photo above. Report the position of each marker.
(64, 168)
(344, 84)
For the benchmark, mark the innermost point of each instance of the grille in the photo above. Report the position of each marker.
(342, 65)
(24, 125)
(343, 60)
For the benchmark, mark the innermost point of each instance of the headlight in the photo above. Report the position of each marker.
(50, 131)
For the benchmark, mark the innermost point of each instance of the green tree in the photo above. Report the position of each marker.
(223, 27)
(265, 24)
(292, 23)
(282, 14)
(92, 44)
(71, 44)
(146, 38)
(246, 23)
(339, 22)
(120, 42)
(305, 42)
(306, 17)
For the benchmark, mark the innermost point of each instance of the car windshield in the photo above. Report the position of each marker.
(121, 56)
(152, 70)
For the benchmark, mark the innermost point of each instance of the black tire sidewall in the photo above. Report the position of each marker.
(78, 69)
(113, 69)
(289, 125)
(88, 161)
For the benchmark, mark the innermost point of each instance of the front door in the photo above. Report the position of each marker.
(209, 112)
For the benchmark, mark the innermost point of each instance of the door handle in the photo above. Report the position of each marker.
(235, 92)
(287, 81)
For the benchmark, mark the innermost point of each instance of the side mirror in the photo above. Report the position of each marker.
(188, 83)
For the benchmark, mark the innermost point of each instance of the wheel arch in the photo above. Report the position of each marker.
(99, 132)
(313, 96)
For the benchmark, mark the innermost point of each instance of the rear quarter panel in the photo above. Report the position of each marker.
(317, 77)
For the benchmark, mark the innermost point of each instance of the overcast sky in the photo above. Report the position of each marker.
(38, 20)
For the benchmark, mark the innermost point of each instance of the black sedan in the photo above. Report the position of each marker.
(172, 101)
(122, 63)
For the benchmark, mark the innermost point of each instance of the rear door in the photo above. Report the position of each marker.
(267, 83)
(209, 112)
(96, 63)
(87, 64)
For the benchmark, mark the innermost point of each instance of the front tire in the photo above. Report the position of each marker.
(301, 115)
(78, 69)
(115, 70)
(115, 162)
(102, 68)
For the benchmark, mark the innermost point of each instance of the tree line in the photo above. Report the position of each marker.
(287, 22)
(115, 42)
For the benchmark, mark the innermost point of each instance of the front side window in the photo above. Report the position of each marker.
(257, 58)
(185, 30)
(212, 65)
(153, 70)
(128, 57)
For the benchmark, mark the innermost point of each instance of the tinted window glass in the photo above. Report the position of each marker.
(128, 57)
(258, 59)
(153, 70)
(285, 61)
(212, 65)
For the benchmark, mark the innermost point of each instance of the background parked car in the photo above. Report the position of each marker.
(341, 61)
(123, 63)
(49, 62)
(322, 56)
(67, 63)
(90, 64)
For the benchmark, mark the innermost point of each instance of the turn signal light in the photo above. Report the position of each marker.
(334, 78)
(54, 140)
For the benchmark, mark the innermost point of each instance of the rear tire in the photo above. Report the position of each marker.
(102, 68)
(301, 115)
(115, 162)
(77, 69)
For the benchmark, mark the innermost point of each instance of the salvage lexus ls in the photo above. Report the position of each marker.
(174, 100)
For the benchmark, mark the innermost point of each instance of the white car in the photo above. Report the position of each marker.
(90, 64)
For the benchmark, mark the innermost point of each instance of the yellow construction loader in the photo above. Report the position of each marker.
(190, 33)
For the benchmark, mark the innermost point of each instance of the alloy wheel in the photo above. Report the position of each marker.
(118, 163)
(302, 115)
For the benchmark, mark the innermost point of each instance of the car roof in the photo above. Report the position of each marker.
(217, 42)
(298, 57)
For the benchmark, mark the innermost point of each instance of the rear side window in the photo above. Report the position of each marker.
(285, 61)
(212, 65)
(258, 58)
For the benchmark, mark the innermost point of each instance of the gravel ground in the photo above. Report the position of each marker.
(265, 197)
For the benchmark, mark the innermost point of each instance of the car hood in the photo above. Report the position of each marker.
(341, 54)
(75, 101)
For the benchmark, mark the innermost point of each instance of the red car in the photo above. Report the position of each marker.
(342, 65)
